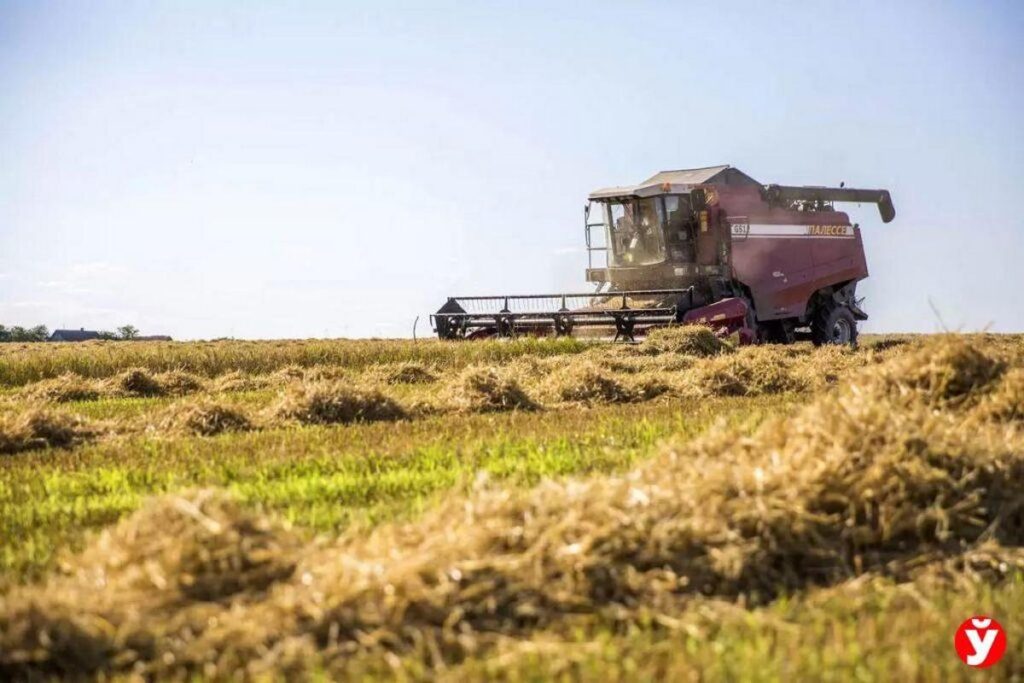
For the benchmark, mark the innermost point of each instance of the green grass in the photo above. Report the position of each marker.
(326, 478)
(877, 632)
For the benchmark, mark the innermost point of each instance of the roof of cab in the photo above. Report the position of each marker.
(682, 180)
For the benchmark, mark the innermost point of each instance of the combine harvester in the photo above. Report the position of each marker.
(710, 246)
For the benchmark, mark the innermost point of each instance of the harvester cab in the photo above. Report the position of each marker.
(708, 246)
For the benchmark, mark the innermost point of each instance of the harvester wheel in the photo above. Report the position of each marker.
(834, 324)
(624, 324)
(777, 332)
(563, 326)
(451, 328)
(505, 325)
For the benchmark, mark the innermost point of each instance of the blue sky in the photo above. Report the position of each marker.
(249, 169)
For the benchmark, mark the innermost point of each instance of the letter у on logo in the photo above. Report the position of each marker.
(980, 642)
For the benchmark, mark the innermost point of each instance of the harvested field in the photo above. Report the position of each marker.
(25, 363)
(677, 509)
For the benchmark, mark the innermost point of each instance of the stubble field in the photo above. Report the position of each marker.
(525, 510)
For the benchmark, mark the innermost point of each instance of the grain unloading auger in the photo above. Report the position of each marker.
(706, 246)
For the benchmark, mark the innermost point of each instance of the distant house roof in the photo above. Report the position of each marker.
(681, 180)
(74, 335)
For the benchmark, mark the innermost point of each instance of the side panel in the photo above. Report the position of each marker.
(776, 264)
(785, 256)
(840, 260)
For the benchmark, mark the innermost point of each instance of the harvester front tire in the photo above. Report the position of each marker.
(834, 325)
(777, 332)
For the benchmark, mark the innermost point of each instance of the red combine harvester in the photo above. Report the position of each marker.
(712, 246)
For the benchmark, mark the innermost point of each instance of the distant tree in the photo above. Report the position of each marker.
(108, 335)
(30, 334)
(17, 333)
(128, 332)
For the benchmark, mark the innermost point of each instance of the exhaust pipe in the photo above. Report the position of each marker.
(775, 194)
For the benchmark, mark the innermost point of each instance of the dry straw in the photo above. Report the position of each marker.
(41, 428)
(948, 374)
(1006, 404)
(690, 340)
(409, 372)
(748, 373)
(66, 388)
(237, 381)
(135, 382)
(180, 383)
(586, 382)
(329, 402)
(484, 389)
(204, 417)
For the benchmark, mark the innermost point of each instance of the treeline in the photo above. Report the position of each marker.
(23, 334)
(39, 333)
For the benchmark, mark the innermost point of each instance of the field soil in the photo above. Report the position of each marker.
(523, 510)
